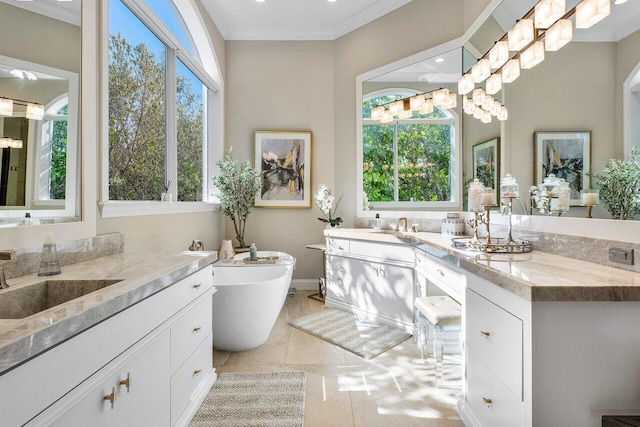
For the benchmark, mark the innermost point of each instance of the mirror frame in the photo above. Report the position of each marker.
(15, 237)
(73, 128)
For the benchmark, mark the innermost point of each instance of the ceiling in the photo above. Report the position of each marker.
(295, 19)
(67, 10)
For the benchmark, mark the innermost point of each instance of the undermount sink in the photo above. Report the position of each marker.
(399, 235)
(17, 303)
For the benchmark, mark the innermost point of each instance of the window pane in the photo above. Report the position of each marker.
(377, 162)
(191, 93)
(136, 108)
(58, 179)
(169, 15)
(423, 162)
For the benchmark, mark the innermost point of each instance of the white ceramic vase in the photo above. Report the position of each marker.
(226, 251)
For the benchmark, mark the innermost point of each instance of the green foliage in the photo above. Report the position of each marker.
(619, 185)
(57, 185)
(423, 162)
(137, 140)
(237, 186)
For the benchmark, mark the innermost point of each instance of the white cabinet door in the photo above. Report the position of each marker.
(146, 400)
(377, 288)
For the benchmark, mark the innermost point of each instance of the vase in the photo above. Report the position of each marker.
(226, 251)
(330, 227)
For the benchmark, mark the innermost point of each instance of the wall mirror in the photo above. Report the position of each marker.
(592, 84)
(411, 163)
(40, 62)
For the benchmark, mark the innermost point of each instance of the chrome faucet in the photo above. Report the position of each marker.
(403, 221)
(7, 259)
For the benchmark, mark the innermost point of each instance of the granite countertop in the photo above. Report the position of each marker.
(141, 275)
(535, 276)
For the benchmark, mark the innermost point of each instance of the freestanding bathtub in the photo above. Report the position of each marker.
(248, 300)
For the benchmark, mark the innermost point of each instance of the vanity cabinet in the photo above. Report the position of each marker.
(376, 280)
(158, 365)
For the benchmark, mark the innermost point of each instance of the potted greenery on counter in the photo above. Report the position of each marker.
(237, 186)
(619, 185)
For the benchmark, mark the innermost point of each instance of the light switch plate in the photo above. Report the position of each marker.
(621, 255)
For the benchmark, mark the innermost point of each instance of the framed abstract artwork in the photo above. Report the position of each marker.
(567, 155)
(283, 159)
(486, 163)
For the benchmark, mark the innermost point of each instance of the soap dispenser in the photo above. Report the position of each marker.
(253, 252)
(49, 265)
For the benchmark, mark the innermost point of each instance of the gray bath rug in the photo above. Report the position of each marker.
(254, 399)
(363, 337)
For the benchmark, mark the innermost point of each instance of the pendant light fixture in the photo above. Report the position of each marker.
(590, 12)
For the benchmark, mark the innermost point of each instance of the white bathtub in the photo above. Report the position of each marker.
(248, 300)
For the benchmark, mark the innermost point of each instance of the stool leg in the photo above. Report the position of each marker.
(420, 329)
(438, 353)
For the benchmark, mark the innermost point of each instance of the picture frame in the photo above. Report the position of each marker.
(567, 155)
(486, 163)
(283, 159)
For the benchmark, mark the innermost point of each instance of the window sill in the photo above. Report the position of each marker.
(116, 209)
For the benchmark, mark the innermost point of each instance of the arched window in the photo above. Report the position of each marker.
(409, 162)
(163, 93)
(52, 152)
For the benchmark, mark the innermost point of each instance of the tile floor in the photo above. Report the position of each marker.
(393, 389)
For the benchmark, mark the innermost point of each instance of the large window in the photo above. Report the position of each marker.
(408, 162)
(159, 97)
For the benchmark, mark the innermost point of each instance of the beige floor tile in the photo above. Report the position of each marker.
(393, 389)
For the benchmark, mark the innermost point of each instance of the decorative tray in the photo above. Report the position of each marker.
(262, 260)
(497, 245)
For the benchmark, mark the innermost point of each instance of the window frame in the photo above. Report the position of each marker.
(212, 149)
(455, 169)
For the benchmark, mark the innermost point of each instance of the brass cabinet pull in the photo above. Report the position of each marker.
(196, 330)
(487, 401)
(197, 286)
(485, 334)
(197, 372)
(111, 397)
(126, 382)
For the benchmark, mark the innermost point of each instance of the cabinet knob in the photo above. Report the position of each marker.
(197, 286)
(440, 272)
(487, 401)
(126, 382)
(197, 372)
(485, 334)
(111, 397)
(196, 330)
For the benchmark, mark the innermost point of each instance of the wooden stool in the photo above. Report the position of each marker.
(440, 312)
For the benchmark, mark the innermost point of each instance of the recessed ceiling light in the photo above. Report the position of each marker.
(260, 1)
(333, 1)
(619, 1)
(441, 59)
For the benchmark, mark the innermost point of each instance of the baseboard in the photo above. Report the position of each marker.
(305, 284)
(466, 415)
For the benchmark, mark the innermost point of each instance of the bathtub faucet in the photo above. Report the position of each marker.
(7, 258)
(196, 245)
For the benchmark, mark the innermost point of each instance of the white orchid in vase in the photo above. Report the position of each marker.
(328, 205)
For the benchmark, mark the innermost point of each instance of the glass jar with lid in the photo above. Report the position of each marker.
(509, 188)
(550, 187)
(474, 195)
(560, 204)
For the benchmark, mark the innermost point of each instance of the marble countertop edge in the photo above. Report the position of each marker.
(23, 339)
(536, 276)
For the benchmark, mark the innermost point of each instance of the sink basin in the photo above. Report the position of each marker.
(16, 303)
(396, 236)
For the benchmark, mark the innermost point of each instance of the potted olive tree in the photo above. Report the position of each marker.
(237, 185)
(619, 185)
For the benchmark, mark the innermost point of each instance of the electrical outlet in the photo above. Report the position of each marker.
(621, 255)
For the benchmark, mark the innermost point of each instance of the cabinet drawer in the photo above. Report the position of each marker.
(494, 340)
(491, 402)
(448, 279)
(386, 252)
(189, 288)
(337, 245)
(189, 332)
(186, 381)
